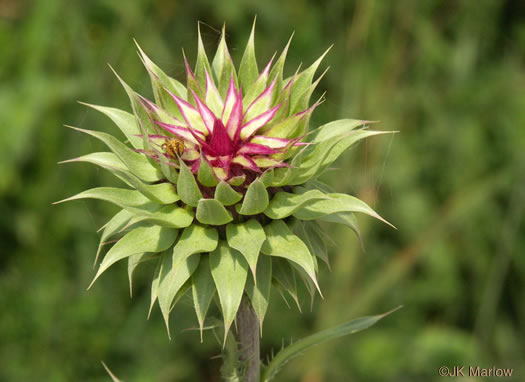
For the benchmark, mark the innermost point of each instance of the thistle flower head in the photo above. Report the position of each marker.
(236, 141)
(221, 174)
(237, 125)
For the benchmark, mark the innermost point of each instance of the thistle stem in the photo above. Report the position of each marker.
(248, 337)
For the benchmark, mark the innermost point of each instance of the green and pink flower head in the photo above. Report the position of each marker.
(222, 182)
(231, 138)
(239, 137)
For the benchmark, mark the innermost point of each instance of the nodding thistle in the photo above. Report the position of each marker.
(231, 151)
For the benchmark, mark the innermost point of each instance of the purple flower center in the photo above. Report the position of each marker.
(220, 143)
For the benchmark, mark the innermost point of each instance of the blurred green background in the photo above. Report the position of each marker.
(449, 75)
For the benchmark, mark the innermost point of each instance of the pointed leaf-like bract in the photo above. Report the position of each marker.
(259, 291)
(203, 290)
(206, 175)
(141, 239)
(171, 216)
(119, 196)
(133, 263)
(309, 233)
(138, 164)
(237, 180)
(326, 152)
(223, 66)
(248, 71)
(162, 193)
(155, 282)
(256, 199)
(146, 126)
(267, 177)
(283, 274)
(309, 285)
(346, 218)
(125, 122)
(211, 211)
(337, 203)
(344, 144)
(259, 93)
(194, 239)
(247, 238)
(103, 159)
(203, 66)
(335, 129)
(277, 70)
(229, 271)
(162, 85)
(284, 204)
(172, 283)
(281, 242)
(303, 81)
(225, 194)
(112, 227)
(187, 187)
(144, 121)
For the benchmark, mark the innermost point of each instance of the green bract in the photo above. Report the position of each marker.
(221, 182)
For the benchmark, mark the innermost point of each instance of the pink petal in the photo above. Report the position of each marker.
(220, 142)
(231, 98)
(266, 70)
(206, 114)
(225, 160)
(265, 162)
(212, 97)
(256, 123)
(275, 143)
(182, 132)
(220, 165)
(256, 149)
(284, 95)
(235, 120)
(311, 109)
(157, 110)
(190, 75)
(262, 102)
(210, 85)
(247, 162)
(195, 166)
(297, 142)
(191, 115)
(290, 83)
(148, 104)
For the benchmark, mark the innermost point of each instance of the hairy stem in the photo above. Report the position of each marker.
(248, 337)
(230, 366)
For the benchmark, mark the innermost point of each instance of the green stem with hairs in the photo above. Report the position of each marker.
(248, 338)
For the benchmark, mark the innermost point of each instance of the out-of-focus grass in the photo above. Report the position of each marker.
(448, 75)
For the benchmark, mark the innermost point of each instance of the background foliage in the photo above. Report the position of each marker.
(449, 75)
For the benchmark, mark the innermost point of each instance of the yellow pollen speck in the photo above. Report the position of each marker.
(173, 146)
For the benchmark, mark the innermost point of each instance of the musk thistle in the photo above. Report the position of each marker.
(222, 182)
